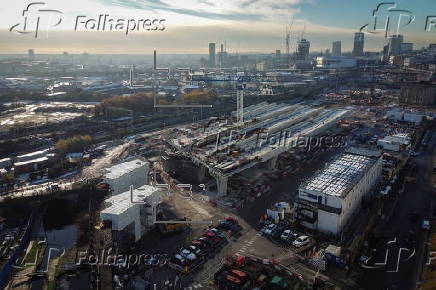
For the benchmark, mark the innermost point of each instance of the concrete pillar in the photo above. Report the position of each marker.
(138, 231)
(201, 173)
(222, 185)
(272, 163)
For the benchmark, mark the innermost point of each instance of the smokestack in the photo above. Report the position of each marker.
(131, 193)
(217, 140)
(131, 75)
(221, 55)
(155, 66)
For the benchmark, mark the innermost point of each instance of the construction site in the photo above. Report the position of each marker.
(218, 151)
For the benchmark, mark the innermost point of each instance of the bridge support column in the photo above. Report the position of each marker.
(272, 163)
(222, 185)
(201, 173)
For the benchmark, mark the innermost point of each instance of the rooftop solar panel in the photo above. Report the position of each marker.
(338, 176)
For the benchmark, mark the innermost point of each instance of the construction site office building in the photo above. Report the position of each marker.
(131, 213)
(131, 173)
(330, 200)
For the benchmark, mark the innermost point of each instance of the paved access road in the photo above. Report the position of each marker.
(404, 261)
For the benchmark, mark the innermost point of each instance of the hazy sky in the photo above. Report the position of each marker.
(246, 26)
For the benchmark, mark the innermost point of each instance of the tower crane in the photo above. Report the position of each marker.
(288, 40)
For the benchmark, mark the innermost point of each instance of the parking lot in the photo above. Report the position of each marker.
(178, 265)
(284, 235)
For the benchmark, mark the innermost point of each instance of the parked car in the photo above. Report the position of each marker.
(213, 237)
(210, 243)
(229, 226)
(225, 225)
(217, 232)
(277, 232)
(288, 235)
(267, 230)
(179, 260)
(231, 220)
(301, 241)
(185, 253)
(195, 250)
(202, 246)
(426, 224)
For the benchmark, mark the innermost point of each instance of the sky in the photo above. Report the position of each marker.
(187, 26)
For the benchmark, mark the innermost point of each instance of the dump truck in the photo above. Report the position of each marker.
(170, 228)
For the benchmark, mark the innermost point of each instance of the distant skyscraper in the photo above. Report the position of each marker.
(385, 53)
(132, 68)
(303, 50)
(359, 43)
(203, 62)
(221, 55)
(31, 54)
(406, 47)
(278, 52)
(395, 42)
(212, 62)
(337, 48)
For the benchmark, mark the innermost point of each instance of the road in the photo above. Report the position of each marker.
(404, 261)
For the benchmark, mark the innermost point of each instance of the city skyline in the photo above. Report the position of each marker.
(245, 26)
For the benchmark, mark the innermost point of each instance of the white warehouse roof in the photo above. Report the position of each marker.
(123, 168)
(338, 177)
(399, 139)
(119, 203)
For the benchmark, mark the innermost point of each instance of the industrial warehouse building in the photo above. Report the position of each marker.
(396, 142)
(406, 116)
(329, 200)
(335, 62)
(131, 173)
(131, 213)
